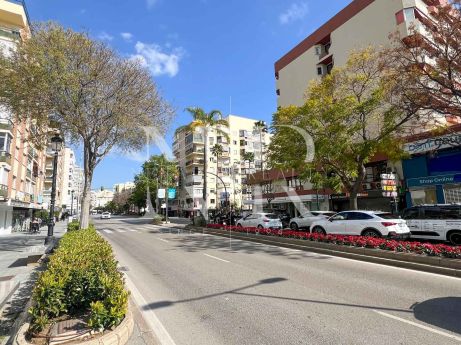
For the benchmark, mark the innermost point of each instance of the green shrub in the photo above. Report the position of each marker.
(157, 220)
(73, 225)
(81, 276)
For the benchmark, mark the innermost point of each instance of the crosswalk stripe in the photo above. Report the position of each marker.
(132, 230)
(119, 230)
(107, 231)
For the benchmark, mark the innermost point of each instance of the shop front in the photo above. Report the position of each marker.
(433, 174)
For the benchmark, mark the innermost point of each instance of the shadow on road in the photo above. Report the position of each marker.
(444, 312)
(198, 243)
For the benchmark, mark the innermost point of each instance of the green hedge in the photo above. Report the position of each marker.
(73, 225)
(81, 278)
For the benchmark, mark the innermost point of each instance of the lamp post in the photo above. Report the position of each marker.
(56, 145)
(72, 202)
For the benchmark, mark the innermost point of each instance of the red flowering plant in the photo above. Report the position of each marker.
(429, 249)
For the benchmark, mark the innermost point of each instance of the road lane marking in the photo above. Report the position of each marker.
(119, 230)
(433, 330)
(149, 315)
(161, 239)
(108, 231)
(132, 230)
(214, 257)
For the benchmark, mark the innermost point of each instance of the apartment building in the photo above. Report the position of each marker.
(121, 187)
(22, 166)
(242, 154)
(49, 159)
(360, 24)
(100, 198)
(71, 179)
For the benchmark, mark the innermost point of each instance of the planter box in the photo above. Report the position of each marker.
(434, 264)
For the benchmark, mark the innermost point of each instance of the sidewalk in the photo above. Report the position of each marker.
(19, 253)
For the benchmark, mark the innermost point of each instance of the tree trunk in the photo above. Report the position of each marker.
(205, 165)
(353, 201)
(88, 168)
(353, 198)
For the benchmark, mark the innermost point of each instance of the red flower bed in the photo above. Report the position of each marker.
(441, 250)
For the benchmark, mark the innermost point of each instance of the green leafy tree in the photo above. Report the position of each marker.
(205, 122)
(260, 128)
(157, 172)
(350, 117)
(64, 80)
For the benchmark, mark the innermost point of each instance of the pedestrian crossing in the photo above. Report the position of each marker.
(123, 229)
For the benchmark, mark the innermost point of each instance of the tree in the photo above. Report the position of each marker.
(65, 80)
(350, 117)
(427, 63)
(154, 174)
(217, 151)
(205, 122)
(260, 127)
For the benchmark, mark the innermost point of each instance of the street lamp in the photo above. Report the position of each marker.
(72, 202)
(55, 145)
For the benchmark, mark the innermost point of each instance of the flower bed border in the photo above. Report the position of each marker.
(433, 264)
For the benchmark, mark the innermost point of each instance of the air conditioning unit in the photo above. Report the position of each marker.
(319, 50)
(366, 186)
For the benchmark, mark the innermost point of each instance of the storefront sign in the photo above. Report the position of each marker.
(433, 180)
(161, 193)
(432, 144)
(171, 193)
(389, 185)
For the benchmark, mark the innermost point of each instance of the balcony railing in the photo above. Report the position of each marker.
(5, 124)
(5, 157)
(3, 191)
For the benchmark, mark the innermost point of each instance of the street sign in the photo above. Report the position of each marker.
(161, 193)
(389, 185)
(171, 193)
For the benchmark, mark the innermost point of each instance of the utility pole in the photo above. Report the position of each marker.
(166, 196)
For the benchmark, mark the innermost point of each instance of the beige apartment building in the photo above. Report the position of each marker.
(360, 24)
(22, 166)
(230, 166)
(71, 179)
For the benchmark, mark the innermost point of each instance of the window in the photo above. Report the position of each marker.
(450, 213)
(211, 140)
(212, 201)
(358, 216)
(235, 142)
(319, 71)
(412, 213)
(339, 216)
(5, 142)
(431, 213)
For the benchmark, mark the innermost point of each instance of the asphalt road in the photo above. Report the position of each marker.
(203, 289)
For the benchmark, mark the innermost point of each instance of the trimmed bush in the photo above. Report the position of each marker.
(81, 277)
(157, 220)
(73, 225)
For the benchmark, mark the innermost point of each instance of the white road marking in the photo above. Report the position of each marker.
(119, 230)
(107, 231)
(214, 257)
(430, 329)
(161, 239)
(149, 316)
(132, 230)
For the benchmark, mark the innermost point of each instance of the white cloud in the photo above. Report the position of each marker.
(295, 12)
(157, 60)
(104, 36)
(127, 36)
(151, 3)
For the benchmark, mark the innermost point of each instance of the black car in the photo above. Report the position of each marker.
(224, 217)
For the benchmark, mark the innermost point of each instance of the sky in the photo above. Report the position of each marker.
(214, 54)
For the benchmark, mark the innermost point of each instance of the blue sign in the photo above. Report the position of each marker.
(171, 193)
(433, 180)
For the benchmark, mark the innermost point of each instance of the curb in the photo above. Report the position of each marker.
(438, 265)
(119, 336)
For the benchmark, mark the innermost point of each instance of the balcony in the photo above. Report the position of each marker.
(3, 191)
(5, 124)
(194, 179)
(15, 12)
(5, 157)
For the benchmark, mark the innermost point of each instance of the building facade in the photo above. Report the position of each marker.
(71, 187)
(242, 154)
(360, 24)
(121, 187)
(22, 165)
(100, 198)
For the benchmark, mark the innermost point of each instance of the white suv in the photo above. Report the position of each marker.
(436, 222)
(305, 220)
(364, 223)
(261, 221)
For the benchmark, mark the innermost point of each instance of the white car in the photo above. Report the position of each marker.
(305, 220)
(105, 215)
(261, 221)
(364, 223)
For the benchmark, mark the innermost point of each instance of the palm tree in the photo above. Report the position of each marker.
(217, 151)
(260, 127)
(206, 121)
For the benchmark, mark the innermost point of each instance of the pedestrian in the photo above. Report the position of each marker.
(35, 225)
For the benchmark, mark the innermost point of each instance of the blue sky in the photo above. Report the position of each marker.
(200, 52)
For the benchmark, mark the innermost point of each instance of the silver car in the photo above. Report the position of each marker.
(261, 221)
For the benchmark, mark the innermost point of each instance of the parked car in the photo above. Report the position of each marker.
(364, 223)
(305, 220)
(261, 220)
(224, 217)
(105, 215)
(437, 222)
